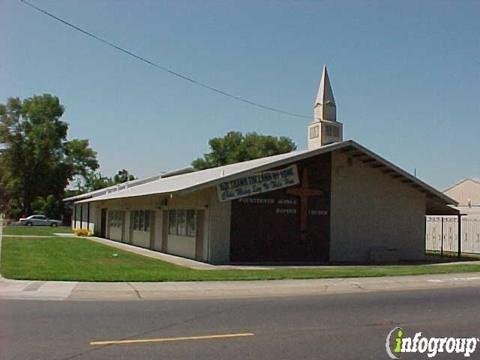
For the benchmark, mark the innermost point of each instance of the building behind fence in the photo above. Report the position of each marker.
(442, 231)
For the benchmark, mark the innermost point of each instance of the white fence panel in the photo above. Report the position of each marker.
(471, 235)
(446, 228)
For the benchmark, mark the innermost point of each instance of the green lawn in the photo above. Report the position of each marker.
(57, 258)
(35, 230)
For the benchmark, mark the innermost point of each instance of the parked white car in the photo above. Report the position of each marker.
(39, 220)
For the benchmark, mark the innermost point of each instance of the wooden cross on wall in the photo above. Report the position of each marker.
(304, 192)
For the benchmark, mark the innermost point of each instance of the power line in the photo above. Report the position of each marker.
(161, 67)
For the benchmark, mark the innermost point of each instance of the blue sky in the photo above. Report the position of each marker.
(406, 75)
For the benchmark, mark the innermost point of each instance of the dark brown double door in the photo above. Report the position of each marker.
(289, 225)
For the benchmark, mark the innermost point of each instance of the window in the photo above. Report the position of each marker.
(172, 222)
(336, 131)
(182, 222)
(314, 132)
(134, 219)
(140, 220)
(329, 130)
(332, 131)
(146, 224)
(191, 223)
(115, 218)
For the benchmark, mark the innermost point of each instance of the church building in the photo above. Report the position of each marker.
(336, 202)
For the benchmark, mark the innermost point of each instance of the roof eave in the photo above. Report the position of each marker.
(437, 193)
(324, 149)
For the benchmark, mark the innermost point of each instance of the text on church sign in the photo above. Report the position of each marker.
(258, 183)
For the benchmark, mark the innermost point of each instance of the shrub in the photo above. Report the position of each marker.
(82, 232)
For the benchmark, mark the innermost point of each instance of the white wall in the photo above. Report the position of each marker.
(184, 245)
(141, 238)
(219, 214)
(128, 234)
(115, 233)
(181, 246)
(370, 209)
(158, 241)
(84, 222)
(216, 236)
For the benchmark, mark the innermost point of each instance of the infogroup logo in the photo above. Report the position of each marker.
(398, 343)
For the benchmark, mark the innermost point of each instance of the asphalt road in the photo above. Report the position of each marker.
(344, 326)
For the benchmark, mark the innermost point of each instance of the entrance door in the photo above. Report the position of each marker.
(103, 223)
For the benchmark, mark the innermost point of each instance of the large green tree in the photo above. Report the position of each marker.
(95, 180)
(36, 160)
(122, 176)
(236, 147)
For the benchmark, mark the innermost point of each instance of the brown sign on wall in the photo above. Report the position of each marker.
(286, 225)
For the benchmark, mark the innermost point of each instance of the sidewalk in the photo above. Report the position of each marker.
(172, 259)
(57, 290)
(176, 260)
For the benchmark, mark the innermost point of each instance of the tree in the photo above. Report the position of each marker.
(95, 180)
(48, 206)
(36, 160)
(122, 176)
(235, 147)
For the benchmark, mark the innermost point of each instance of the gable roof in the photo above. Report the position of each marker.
(113, 188)
(197, 180)
(458, 183)
(466, 192)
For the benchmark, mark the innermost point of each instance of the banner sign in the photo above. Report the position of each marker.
(258, 183)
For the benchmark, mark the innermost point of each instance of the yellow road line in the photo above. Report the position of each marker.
(169, 339)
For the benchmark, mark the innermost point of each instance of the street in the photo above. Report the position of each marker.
(338, 326)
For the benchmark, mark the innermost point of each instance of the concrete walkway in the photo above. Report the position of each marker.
(57, 290)
(177, 260)
(172, 259)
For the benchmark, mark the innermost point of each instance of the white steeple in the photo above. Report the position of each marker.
(325, 107)
(325, 129)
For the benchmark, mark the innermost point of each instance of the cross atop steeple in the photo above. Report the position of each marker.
(324, 129)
